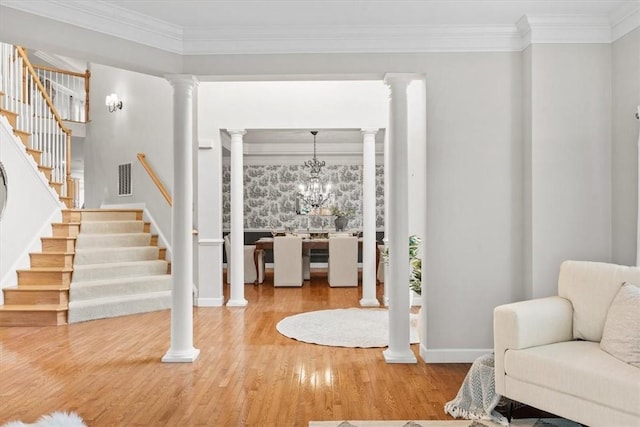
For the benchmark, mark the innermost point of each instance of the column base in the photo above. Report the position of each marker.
(399, 356)
(366, 302)
(183, 356)
(210, 302)
(237, 303)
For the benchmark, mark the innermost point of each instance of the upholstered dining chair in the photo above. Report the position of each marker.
(287, 261)
(343, 261)
(381, 265)
(249, 262)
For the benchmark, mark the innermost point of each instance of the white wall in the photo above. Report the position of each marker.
(31, 206)
(626, 98)
(570, 158)
(474, 204)
(291, 105)
(145, 124)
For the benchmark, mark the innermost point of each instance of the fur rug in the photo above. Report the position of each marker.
(55, 419)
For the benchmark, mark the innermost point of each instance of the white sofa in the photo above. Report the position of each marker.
(548, 353)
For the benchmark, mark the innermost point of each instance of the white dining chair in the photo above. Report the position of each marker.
(249, 262)
(343, 261)
(287, 261)
(381, 265)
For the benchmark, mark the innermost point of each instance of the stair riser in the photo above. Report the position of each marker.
(113, 227)
(30, 277)
(105, 290)
(81, 313)
(24, 136)
(111, 215)
(37, 155)
(58, 245)
(137, 270)
(71, 216)
(46, 171)
(51, 260)
(65, 230)
(25, 297)
(33, 318)
(10, 115)
(93, 241)
(84, 257)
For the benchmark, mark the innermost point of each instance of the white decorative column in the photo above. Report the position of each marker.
(399, 350)
(385, 239)
(369, 219)
(236, 298)
(182, 349)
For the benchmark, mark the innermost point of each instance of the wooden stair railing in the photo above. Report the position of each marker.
(31, 112)
(65, 84)
(154, 177)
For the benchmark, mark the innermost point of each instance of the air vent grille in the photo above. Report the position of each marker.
(124, 179)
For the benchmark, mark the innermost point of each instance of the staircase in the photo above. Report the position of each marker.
(35, 154)
(118, 267)
(98, 263)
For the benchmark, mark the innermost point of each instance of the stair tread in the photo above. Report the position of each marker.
(31, 288)
(49, 269)
(39, 307)
(60, 237)
(52, 253)
(102, 265)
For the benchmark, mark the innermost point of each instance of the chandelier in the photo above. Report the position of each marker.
(313, 196)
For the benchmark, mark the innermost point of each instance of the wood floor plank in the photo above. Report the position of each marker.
(109, 371)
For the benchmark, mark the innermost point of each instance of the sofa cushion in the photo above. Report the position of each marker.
(581, 369)
(591, 286)
(621, 335)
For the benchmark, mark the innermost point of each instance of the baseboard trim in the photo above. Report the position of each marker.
(452, 355)
(210, 302)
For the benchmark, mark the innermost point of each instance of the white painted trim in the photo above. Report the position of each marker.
(564, 29)
(210, 302)
(210, 242)
(107, 18)
(181, 356)
(624, 20)
(452, 355)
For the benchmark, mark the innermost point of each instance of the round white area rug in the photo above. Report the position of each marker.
(343, 327)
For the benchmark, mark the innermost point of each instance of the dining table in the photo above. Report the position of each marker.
(308, 243)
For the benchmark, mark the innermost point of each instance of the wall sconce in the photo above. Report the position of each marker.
(112, 102)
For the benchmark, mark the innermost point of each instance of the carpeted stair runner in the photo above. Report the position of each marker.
(116, 272)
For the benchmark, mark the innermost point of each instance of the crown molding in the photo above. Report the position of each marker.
(564, 29)
(624, 20)
(107, 18)
(348, 39)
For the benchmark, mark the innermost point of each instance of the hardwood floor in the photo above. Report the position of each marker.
(247, 374)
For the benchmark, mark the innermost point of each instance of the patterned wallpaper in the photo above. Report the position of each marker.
(270, 196)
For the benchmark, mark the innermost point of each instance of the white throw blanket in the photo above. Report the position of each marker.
(477, 397)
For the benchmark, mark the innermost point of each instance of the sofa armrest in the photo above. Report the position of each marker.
(529, 324)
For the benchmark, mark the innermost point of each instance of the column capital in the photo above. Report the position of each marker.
(367, 131)
(233, 132)
(400, 78)
(182, 79)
